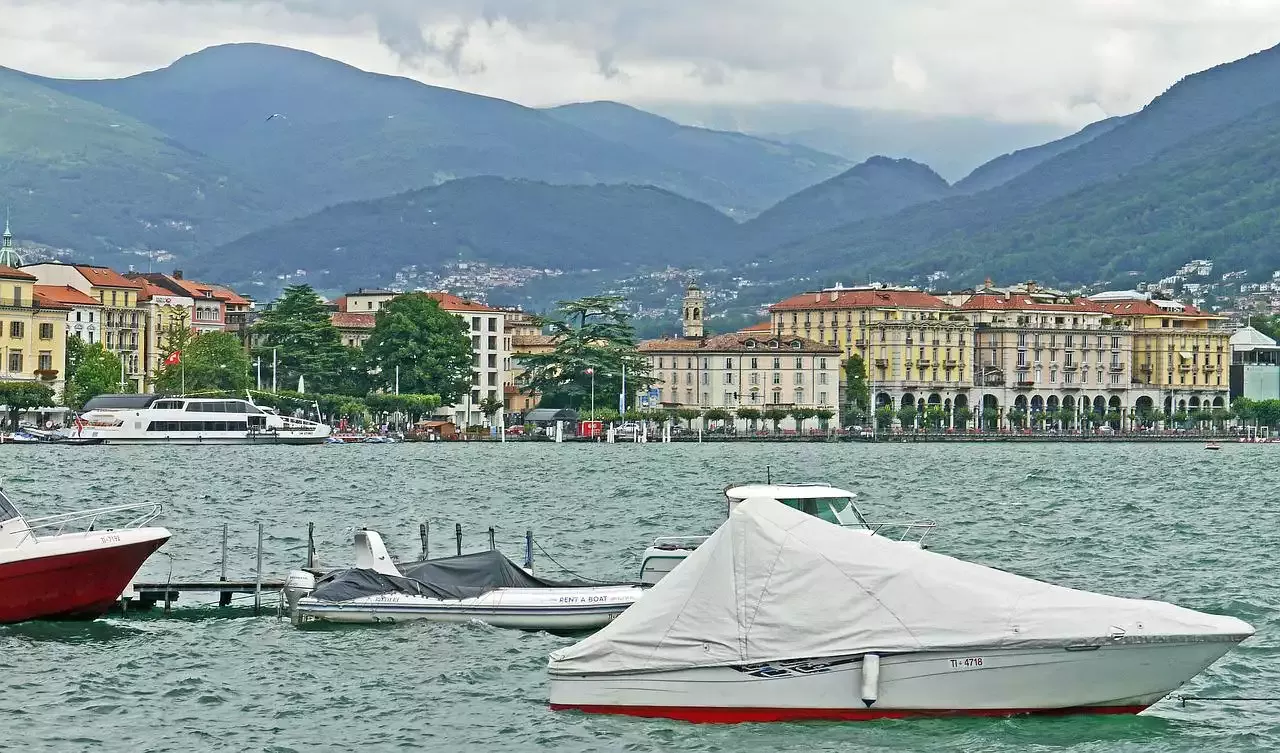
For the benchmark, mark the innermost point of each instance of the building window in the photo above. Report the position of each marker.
(706, 377)
(15, 329)
(799, 397)
(799, 363)
(799, 377)
(822, 377)
(1068, 377)
(688, 377)
(754, 363)
(493, 324)
(475, 342)
(822, 363)
(777, 378)
(728, 363)
(15, 362)
(46, 360)
(822, 398)
(755, 378)
(91, 317)
(777, 363)
(493, 342)
(728, 377)
(475, 324)
(728, 398)
(46, 331)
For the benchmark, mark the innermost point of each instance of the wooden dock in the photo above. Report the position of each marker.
(147, 595)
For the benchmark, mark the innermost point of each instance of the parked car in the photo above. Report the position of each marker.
(629, 430)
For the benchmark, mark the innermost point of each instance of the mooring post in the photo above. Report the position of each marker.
(457, 534)
(528, 549)
(422, 534)
(257, 577)
(167, 595)
(311, 546)
(492, 543)
(224, 598)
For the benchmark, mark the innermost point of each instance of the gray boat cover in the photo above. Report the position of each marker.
(464, 577)
(773, 584)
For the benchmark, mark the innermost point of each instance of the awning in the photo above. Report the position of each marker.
(1185, 355)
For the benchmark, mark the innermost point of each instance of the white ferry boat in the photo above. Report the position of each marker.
(162, 419)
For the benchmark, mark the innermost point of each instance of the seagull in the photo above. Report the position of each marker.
(271, 116)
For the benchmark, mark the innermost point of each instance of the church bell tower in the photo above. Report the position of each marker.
(695, 307)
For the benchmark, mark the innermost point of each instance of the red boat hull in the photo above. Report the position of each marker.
(73, 586)
(722, 715)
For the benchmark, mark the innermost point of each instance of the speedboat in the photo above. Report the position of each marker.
(50, 571)
(820, 500)
(783, 616)
(484, 586)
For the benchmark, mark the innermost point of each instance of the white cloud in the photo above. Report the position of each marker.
(1067, 61)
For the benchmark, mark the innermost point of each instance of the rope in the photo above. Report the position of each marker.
(1229, 699)
(567, 570)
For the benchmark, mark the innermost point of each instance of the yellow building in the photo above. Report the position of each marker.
(916, 347)
(123, 325)
(1180, 353)
(33, 332)
(166, 312)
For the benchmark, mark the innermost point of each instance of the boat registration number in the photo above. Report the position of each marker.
(969, 662)
(583, 599)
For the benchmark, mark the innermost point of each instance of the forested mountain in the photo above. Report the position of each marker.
(486, 219)
(749, 168)
(878, 187)
(77, 175)
(315, 132)
(1005, 168)
(1196, 106)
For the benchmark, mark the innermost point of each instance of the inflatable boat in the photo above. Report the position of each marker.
(484, 586)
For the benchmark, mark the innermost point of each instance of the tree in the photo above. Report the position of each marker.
(884, 416)
(751, 416)
(857, 391)
(20, 396)
(430, 347)
(991, 418)
(935, 416)
(687, 415)
(717, 414)
(595, 345)
(490, 407)
(174, 339)
(1017, 418)
(76, 348)
(824, 417)
(801, 415)
(963, 415)
(907, 416)
(775, 415)
(298, 328)
(210, 361)
(97, 373)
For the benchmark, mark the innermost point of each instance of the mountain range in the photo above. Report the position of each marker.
(249, 163)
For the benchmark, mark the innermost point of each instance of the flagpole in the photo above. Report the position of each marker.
(183, 365)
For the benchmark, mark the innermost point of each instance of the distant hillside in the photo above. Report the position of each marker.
(494, 220)
(749, 168)
(878, 187)
(342, 134)
(1005, 168)
(76, 174)
(1195, 106)
(1214, 197)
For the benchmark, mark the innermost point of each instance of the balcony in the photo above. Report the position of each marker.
(1210, 367)
(882, 362)
(951, 363)
(1024, 383)
(1116, 368)
(1145, 368)
(1070, 367)
(924, 363)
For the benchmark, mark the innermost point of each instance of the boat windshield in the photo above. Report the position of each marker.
(837, 510)
(7, 510)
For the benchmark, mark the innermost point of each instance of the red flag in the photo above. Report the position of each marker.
(589, 371)
(174, 358)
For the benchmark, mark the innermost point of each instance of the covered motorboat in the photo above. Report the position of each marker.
(783, 616)
(819, 500)
(71, 566)
(484, 586)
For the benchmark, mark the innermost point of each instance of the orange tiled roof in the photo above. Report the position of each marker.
(342, 319)
(9, 273)
(65, 295)
(861, 298)
(736, 342)
(104, 277)
(762, 327)
(231, 297)
(341, 303)
(451, 302)
(1142, 307)
(1025, 302)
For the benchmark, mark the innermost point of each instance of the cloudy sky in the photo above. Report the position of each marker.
(1061, 61)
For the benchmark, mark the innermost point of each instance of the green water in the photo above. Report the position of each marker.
(1172, 522)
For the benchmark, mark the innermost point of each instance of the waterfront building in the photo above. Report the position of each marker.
(356, 318)
(916, 347)
(524, 337)
(741, 369)
(1180, 354)
(1044, 351)
(123, 325)
(33, 332)
(166, 312)
(1255, 366)
(84, 314)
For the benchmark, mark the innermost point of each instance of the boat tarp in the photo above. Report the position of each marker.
(773, 584)
(463, 577)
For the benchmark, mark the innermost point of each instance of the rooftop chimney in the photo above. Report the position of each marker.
(177, 274)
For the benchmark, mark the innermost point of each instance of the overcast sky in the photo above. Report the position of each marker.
(1064, 61)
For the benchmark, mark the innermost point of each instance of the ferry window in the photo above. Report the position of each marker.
(215, 425)
(191, 426)
(252, 410)
(258, 421)
(237, 426)
(195, 407)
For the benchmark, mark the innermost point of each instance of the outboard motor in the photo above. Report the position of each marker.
(297, 584)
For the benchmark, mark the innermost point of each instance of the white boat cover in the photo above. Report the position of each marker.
(773, 584)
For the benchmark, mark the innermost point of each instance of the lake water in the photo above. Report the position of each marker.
(1165, 521)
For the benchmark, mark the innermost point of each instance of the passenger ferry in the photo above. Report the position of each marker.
(162, 419)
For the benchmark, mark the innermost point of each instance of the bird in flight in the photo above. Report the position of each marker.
(272, 116)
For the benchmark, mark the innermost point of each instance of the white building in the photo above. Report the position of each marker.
(85, 315)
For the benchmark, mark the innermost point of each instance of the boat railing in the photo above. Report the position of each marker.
(673, 543)
(142, 513)
(915, 531)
